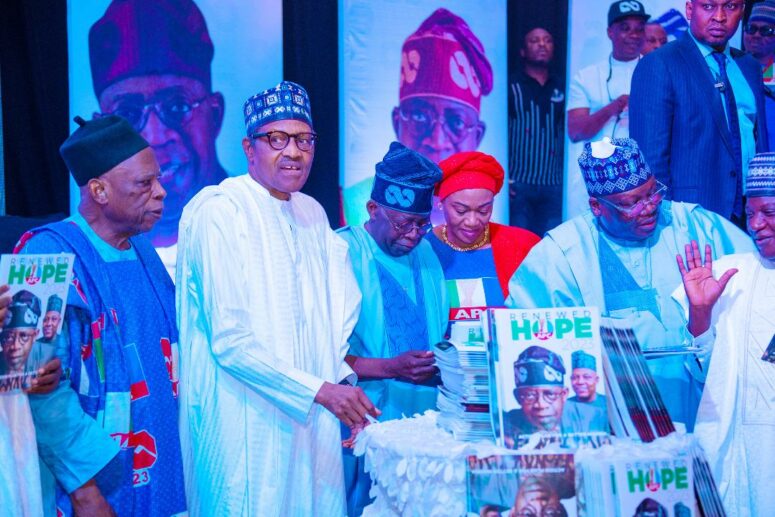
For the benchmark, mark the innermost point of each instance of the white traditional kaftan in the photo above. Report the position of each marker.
(736, 418)
(266, 301)
(20, 493)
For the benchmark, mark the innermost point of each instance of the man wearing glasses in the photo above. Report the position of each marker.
(697, 110)
(539, 377)
(759, 40)
(266, 302)
(404, 307)
(619, 256)
(444, 75)
(150, 64)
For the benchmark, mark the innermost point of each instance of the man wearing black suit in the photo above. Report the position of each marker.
(697, 110)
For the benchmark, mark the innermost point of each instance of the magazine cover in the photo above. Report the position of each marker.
(31, 331)
(548, 375)
(521, 485)
(662, 488)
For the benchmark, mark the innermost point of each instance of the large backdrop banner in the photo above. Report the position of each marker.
(180, 72)
(589, 45)
(431, 75)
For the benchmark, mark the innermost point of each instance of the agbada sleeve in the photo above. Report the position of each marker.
(225, 308)
(70, 442)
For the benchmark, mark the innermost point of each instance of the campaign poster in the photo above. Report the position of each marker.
(431, 75)
(521, 485)
(30, 336)
(180, 72)
(547, 376)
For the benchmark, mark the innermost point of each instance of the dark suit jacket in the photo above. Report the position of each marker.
(677, 118)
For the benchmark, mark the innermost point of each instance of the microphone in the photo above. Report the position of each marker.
(720, 86)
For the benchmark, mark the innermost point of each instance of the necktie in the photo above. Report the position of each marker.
(734, 128)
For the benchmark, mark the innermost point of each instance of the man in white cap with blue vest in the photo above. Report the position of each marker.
(266, 301)
(619, 255)
(730, 304)
(404, 307)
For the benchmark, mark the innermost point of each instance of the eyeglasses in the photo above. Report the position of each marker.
(174, 112)
(422, 226)
(278, 140)
(420, 123)
(765, 30)
(729, 7)
(546, 511)
(23, 336)
(634, 210)
(531, 396)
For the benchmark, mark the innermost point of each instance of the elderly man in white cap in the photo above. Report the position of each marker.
(618, 256)
(266, 301)
(733, 319)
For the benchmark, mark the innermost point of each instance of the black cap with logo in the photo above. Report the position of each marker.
(626, 8)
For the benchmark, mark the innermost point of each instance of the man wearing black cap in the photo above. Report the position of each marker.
(150, 64)
(405, 309)
(109, 436)
(599, 94)
(698, 111)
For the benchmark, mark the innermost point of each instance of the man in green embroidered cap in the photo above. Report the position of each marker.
(584, 379)
(109, 436)
(404, 308)
(52, 318)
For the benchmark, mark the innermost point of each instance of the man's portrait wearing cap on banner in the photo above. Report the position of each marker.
(444, 75)
(150, 64)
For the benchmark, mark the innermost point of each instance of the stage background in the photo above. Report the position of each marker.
(248, 57)
(371, 37)
(589, 44)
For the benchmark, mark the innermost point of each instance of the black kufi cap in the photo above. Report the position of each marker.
(98, 146)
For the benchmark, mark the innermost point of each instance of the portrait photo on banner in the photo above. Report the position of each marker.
(431, 75)
(179, 71)
(595, 78)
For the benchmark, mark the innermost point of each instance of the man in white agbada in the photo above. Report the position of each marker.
(733, 319)
(266, 302)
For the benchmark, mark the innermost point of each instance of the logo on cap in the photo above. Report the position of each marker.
(395, 195)
(628, 7)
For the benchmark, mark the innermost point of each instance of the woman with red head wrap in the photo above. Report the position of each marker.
(478, 256)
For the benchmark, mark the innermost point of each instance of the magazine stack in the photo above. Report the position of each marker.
(640, 412)
(464, 397)
(632, 478)
(521, 484)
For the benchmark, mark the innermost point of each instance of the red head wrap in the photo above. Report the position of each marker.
(469, 170)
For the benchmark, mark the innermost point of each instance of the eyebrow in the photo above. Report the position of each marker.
(170, 90)
(459, 204)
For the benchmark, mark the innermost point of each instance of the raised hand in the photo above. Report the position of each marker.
(348, 403)
(702, 289)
